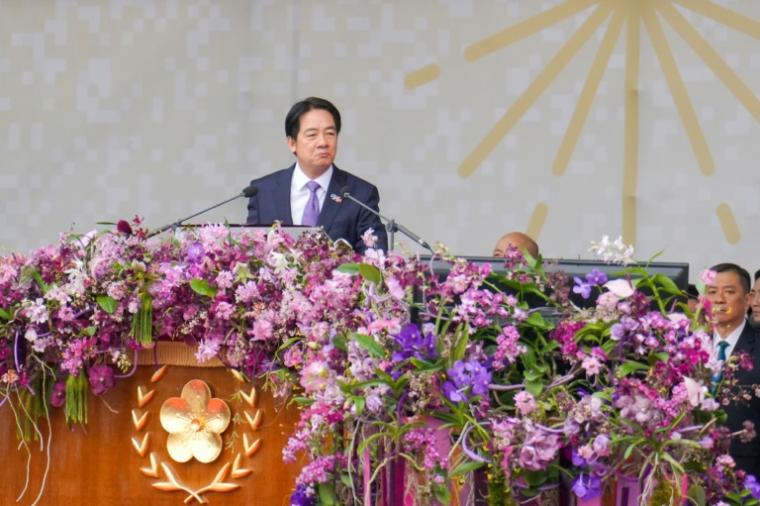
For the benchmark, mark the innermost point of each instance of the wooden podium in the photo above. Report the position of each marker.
(120, 457)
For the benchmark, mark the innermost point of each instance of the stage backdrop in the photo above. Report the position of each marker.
(568, 119)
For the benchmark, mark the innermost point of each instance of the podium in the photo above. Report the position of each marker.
(120, 457)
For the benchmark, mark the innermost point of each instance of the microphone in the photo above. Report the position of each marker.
(391, 226)
(248, 192)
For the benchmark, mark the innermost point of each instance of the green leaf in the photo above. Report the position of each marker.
(629, 450)
(326, 494)
(423, 365)
(550, 346)
(462, 339)
(38, 278)
(303, 400)
(535, 478)
(676, 465)
(5, 315)
(667, 284)
(202, 288)
(532, 375)
(371, 273)
(369, 344)
(370, 439)
(538, 321)
(466, 467)
(340, 342)
(534, 387)
(352, 268)
(442, 493)
(360, 402)
(627, 368)
(90, 331)
(107, 303)
(603, 395)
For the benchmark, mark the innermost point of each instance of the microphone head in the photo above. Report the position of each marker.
(250, 191)
(346, 190)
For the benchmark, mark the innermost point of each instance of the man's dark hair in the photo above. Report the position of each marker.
(293, 119)
(738, 270)
(757, 274)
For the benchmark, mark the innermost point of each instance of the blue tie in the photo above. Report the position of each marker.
(716, 377)
(311, 212)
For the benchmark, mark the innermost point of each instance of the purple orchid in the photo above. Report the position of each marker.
(750, 482)
(587, 487)
(302, 497)
(582, 287)
(471, 375)
(596, 277)
(414, 344)
(195, 253)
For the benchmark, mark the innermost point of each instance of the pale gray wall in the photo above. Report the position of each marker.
(160, 108)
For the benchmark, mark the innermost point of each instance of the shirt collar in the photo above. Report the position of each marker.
(300, 179)
(733, 337)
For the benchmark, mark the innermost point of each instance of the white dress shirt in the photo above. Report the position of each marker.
(732, 338)
(299, 193)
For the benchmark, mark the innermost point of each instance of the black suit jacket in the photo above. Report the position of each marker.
(746, 455)
(344, 219)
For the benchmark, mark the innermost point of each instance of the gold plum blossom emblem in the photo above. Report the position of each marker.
(195, 422)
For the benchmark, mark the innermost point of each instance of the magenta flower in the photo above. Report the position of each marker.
(101, 379)
(124, 228)
(58, 396)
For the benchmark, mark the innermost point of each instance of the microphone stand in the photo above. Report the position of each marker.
(173, 226)
(391, 226)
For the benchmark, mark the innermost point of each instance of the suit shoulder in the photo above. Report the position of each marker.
(272, 177)
(355, 181)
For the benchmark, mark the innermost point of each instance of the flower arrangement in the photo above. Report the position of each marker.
(617, 392)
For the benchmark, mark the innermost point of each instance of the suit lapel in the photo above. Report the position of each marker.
(282, 196)
(331, 208)
(746, 340)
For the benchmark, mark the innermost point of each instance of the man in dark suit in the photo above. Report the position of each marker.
(754, 303)
(310, 192)
(730, 298)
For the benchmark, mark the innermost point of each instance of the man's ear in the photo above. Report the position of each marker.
(292, 144)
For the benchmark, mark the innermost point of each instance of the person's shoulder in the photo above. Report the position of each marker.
(273, 177)
(352, 180)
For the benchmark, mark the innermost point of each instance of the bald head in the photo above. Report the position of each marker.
(517, 240)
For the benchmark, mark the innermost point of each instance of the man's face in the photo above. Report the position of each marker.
(729, 302)
(755, 301)
(316, 143)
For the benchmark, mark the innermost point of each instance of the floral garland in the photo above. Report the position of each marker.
(616, 392)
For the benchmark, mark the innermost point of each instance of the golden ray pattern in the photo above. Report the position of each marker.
(631, 14)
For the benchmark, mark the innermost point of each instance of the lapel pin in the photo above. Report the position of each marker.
(336, 198)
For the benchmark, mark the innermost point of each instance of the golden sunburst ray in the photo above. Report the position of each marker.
(678, 89)
(536, 88)
(711, 58)
(723, 16)
(574, 129)
(528, 27)
(631, 148)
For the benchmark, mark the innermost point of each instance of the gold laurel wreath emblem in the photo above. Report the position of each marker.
(171, 483)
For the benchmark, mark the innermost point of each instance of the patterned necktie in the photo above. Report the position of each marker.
(716, 377)
(311, 213)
